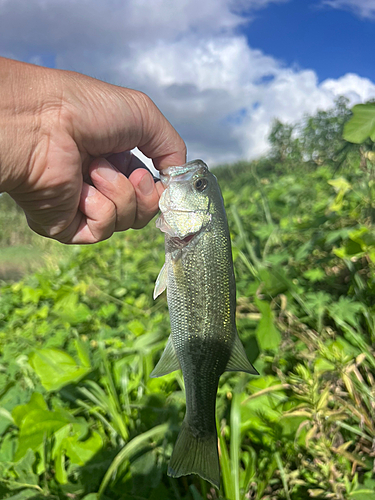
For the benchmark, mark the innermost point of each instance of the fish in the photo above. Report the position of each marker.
(201, 294)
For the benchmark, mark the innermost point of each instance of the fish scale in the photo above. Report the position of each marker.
(201, 294)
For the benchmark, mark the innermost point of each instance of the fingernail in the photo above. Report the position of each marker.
(146, 185)
(106, 170)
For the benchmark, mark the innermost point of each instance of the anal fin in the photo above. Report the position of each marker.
(168, 362)
(238, 361)
(161, 281)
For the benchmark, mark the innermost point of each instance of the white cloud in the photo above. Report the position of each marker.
(362, 8)
(356, 88)
(218, 92)
(222, 96)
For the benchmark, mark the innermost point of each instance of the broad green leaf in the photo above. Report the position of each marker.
(361, 125)
(274, 280)
(37, 425)
(267, 394)
(83, 352)
(4, 390)
(132, 447)
(60, 472)
(368, 482)
(75, 315)
(143, 465)
(362, 495)
(81, 452)
(6, 420)
(68, 443)
(136, 327)
(107, 310)
(268, 336)
(30, 294)
(8, 447)
(24, 469)
(349, 250)
(290, 424)
(364, 236)
(145, 472)
(69, 308)
(28, 493)
(21, 411)
(56, 368)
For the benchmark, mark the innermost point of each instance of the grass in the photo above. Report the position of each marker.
(21, 250)
(19, 260)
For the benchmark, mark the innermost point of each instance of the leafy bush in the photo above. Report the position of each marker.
(82, 420)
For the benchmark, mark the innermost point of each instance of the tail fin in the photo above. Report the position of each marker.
(195, 455)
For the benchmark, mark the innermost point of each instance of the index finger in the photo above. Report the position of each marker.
(160, 141)
(107, 119)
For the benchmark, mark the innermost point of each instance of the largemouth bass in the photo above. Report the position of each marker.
(201, 293)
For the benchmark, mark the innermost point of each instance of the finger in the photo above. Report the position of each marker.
(99, 218)
(147, 196)
(118, 189)
(63, 235)
(160, 141)
(135, 121)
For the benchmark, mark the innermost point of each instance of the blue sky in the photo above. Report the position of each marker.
(309, 34)
(220, 70)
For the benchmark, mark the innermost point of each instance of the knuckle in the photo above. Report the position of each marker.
(142, 99)
(107, 213)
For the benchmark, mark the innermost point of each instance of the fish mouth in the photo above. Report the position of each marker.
(174, 237)
(183, 242)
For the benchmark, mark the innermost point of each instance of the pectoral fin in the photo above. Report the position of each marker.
(161, 281)
(238, 361)
(168, 362)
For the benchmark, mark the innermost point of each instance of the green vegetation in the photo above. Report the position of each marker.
(80, 419)
(21, 250)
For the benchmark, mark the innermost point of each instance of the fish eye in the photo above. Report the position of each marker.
(201, 184)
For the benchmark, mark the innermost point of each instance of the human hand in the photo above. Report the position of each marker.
(65, 152)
